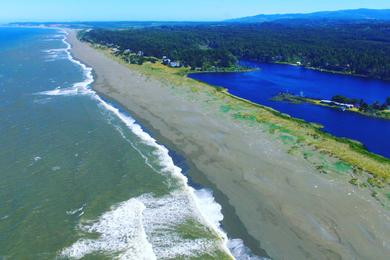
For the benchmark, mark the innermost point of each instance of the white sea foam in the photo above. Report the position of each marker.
(143, 223)
(55, 168)
(60, 92)
(121, 230)
(161, 218)
(42, 100)
(207, 208)
(241, 252)
(37, 158)
(76, 211)
(4, 217)
(55, 54)
(79, 87)
(127, 228)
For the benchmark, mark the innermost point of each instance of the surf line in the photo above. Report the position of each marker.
(208, 209)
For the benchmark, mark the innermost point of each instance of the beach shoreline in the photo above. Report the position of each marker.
(282, 201)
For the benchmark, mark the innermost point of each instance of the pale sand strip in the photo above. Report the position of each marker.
(294, 211)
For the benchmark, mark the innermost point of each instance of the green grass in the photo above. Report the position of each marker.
(342, 167)
(348, 151)
(225, 108)
(286, 139)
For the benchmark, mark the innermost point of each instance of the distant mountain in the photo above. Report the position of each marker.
(357, 14)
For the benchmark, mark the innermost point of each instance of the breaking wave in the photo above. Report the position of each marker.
(55, 54)
(145, 227)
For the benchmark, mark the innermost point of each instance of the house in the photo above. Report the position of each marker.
(333, 103)
(175, 64)
(165, 60)
(348, 105)
(115, 51)
(127, 51)
(140, 53)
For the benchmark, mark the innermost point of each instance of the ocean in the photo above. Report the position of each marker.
(80, 178)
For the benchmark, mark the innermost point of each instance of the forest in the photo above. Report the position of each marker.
(360, 48)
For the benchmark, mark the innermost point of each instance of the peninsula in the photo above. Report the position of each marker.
(338, 102)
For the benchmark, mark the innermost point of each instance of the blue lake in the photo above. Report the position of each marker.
(261, 85)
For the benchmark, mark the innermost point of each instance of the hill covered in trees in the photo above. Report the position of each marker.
(357, 48)
(345, 15)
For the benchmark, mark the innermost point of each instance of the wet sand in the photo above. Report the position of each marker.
(283, 202)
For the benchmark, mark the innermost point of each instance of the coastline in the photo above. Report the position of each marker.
(207, 210)
(267, 187)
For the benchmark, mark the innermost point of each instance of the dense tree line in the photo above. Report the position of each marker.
(357, 48)
(362, 105)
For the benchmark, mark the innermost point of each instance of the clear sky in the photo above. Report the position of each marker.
(87, 10)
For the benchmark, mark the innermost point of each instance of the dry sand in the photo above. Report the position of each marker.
(291, 210)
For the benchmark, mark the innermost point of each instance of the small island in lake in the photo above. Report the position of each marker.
(339, 102)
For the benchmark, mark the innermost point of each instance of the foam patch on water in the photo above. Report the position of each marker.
(72, 91)
(137, 228)
(79, 211)
(77, 88)
(55, 54)
(143, 223)
(207, 204)
(162, 216)
(143, 228)
(121, 230)
(42, 101)
(241, 252)
(55, 168)
(208, 211)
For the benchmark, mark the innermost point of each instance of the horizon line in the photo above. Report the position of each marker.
(179, 20)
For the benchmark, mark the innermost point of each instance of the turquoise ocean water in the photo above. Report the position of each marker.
(78, 177)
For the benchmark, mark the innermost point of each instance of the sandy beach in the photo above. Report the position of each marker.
(273, 200)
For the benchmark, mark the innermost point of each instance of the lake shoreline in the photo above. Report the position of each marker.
(297, 99)
(329, 71)
(263, 183)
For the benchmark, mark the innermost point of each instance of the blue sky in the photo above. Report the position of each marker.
(77, 10)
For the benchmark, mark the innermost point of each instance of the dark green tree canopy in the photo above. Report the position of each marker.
(356, 48)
